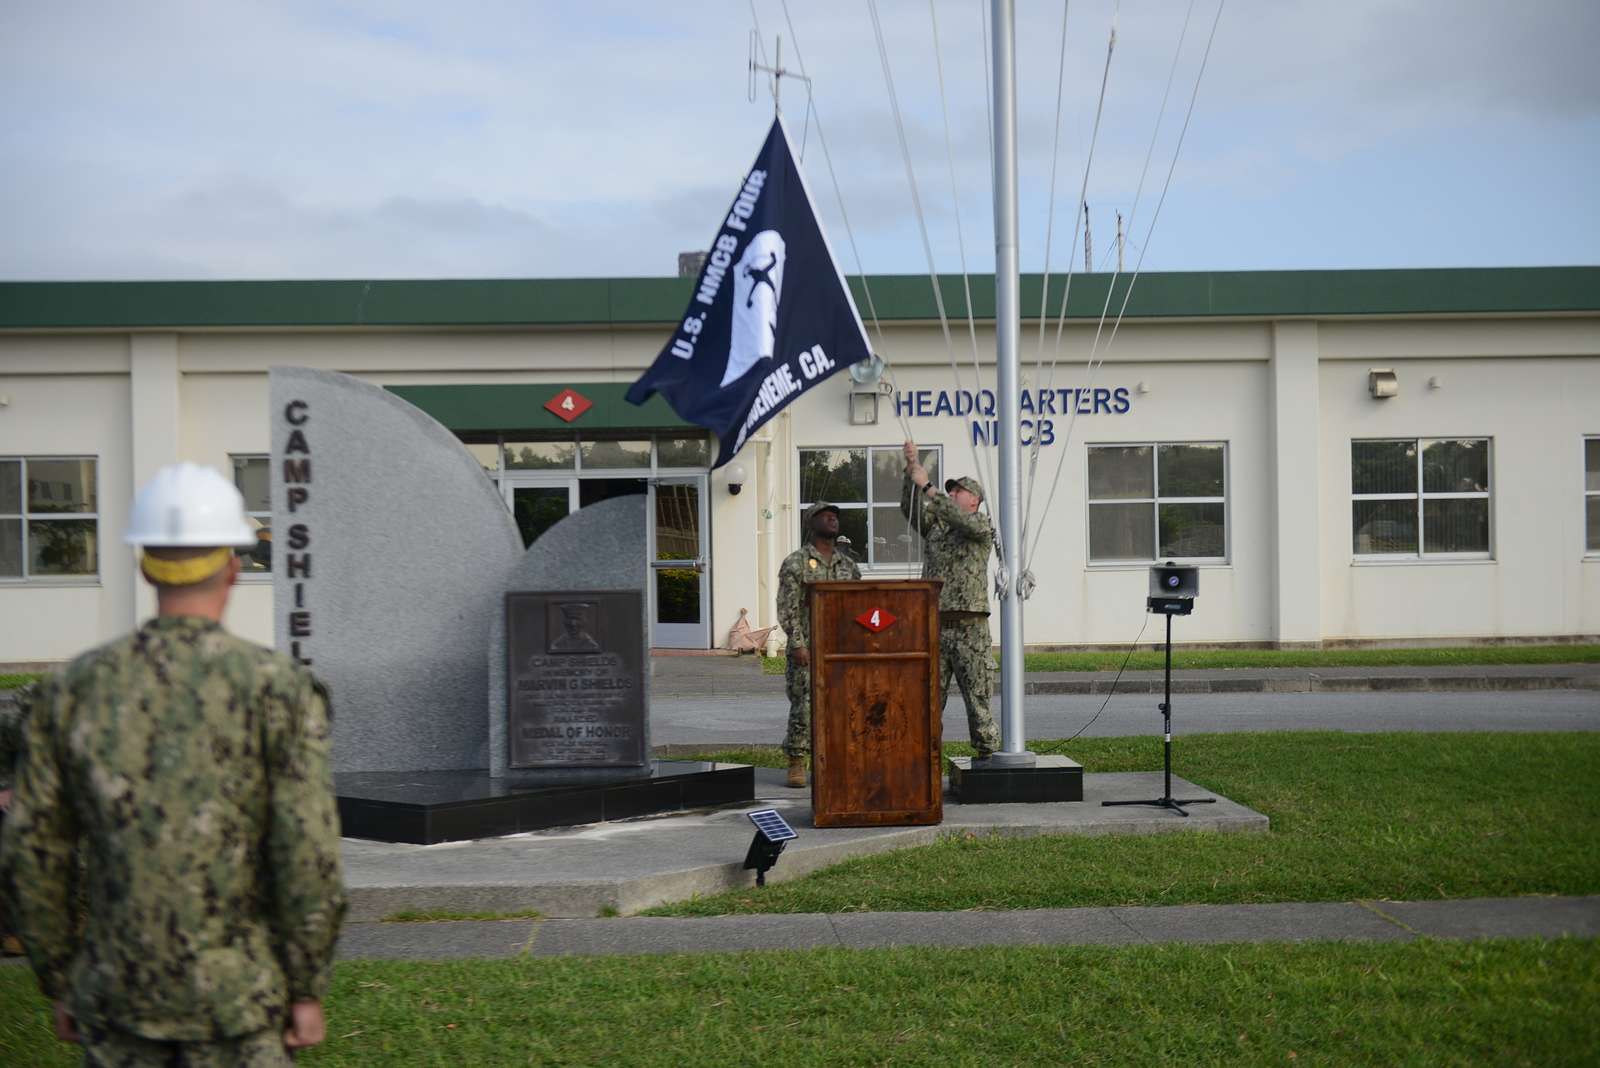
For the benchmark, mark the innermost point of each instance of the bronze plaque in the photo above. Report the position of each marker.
(575, 684)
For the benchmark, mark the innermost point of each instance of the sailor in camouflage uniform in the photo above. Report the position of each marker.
(957, 539)
(13, 718)
(191, 769)
(818, 560)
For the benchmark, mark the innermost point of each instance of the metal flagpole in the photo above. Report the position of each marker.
(1007, 326)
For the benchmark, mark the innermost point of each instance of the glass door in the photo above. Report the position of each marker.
(680, 585)
(538, 502)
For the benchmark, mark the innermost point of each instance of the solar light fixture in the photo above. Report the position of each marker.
(772, 834)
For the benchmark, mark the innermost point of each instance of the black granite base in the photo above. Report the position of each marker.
(425, 807)
(1052, 778)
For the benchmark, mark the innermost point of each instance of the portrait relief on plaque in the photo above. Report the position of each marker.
(573, 627)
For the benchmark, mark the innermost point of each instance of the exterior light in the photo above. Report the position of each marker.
(863, 409)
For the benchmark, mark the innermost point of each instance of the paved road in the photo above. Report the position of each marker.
(760, 719)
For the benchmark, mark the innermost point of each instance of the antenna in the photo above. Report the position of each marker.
(1120, 242)
(778, 72)
(1088, 241)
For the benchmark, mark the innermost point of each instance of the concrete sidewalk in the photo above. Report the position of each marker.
(730, 676)
(1356, 921)
(1497, 677)
(631, 865)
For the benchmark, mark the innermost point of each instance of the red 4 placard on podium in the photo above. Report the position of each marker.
(875, 733)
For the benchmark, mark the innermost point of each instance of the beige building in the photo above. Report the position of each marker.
(1348, 455)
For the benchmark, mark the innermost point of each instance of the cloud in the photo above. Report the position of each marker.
(220, 138)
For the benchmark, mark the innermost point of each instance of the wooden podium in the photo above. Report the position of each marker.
(875, 730)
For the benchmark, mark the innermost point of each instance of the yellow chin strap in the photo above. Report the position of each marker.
(184, 572)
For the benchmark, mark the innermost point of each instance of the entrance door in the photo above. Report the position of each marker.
(680, 593)
(538, 502)
(679, 584)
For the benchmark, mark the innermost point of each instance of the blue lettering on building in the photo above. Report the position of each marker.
(1038, 406)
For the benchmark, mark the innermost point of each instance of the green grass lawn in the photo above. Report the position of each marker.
(16, 680)
(1425, 1003)
(1194, 659)
(1400, 816)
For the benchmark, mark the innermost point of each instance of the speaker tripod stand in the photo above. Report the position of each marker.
(1169, 607)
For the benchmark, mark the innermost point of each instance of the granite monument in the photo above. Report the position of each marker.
(391, 551)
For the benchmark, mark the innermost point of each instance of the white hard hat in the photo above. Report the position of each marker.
(188, 505)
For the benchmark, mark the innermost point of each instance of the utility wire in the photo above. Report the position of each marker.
(1132, 648)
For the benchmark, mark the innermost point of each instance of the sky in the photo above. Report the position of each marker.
(222, 139)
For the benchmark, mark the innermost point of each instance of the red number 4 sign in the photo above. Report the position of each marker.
(876, 619)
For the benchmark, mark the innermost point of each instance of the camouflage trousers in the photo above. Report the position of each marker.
(964, 653)
(115, 1049)
(797, 683)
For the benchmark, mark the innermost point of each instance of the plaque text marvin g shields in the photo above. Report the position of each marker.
(575, 682)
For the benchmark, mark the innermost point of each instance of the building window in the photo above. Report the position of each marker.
(1591, 493)
(1161, 500)
(49, 517)
(502, 455)
(1420, 497)
(253, 476)
(865, 484)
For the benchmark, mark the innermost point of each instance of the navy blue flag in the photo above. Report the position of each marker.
(770, 317)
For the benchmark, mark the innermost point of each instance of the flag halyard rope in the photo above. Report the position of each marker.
(961, 244)
(887, 376)
(1095, 351)
(1049, 377)
(922, 225)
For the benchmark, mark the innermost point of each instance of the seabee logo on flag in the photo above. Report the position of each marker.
(755, 310)
(770, 316)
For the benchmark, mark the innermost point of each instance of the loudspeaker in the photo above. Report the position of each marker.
(1170, 580)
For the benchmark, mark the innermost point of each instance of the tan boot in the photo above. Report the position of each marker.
(797, 772)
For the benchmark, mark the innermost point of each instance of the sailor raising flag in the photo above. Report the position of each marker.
(770, 316)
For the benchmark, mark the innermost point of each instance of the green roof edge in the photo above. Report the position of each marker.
(651, 301)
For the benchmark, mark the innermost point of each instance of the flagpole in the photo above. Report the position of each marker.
(1007, 327)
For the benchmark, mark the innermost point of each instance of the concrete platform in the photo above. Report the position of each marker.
(1051, 777)
(632, 865)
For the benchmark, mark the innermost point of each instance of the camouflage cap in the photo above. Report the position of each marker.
(811, 513)
(968, 483)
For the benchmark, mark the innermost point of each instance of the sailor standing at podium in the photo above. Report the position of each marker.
(958, 539)
(818, 560)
